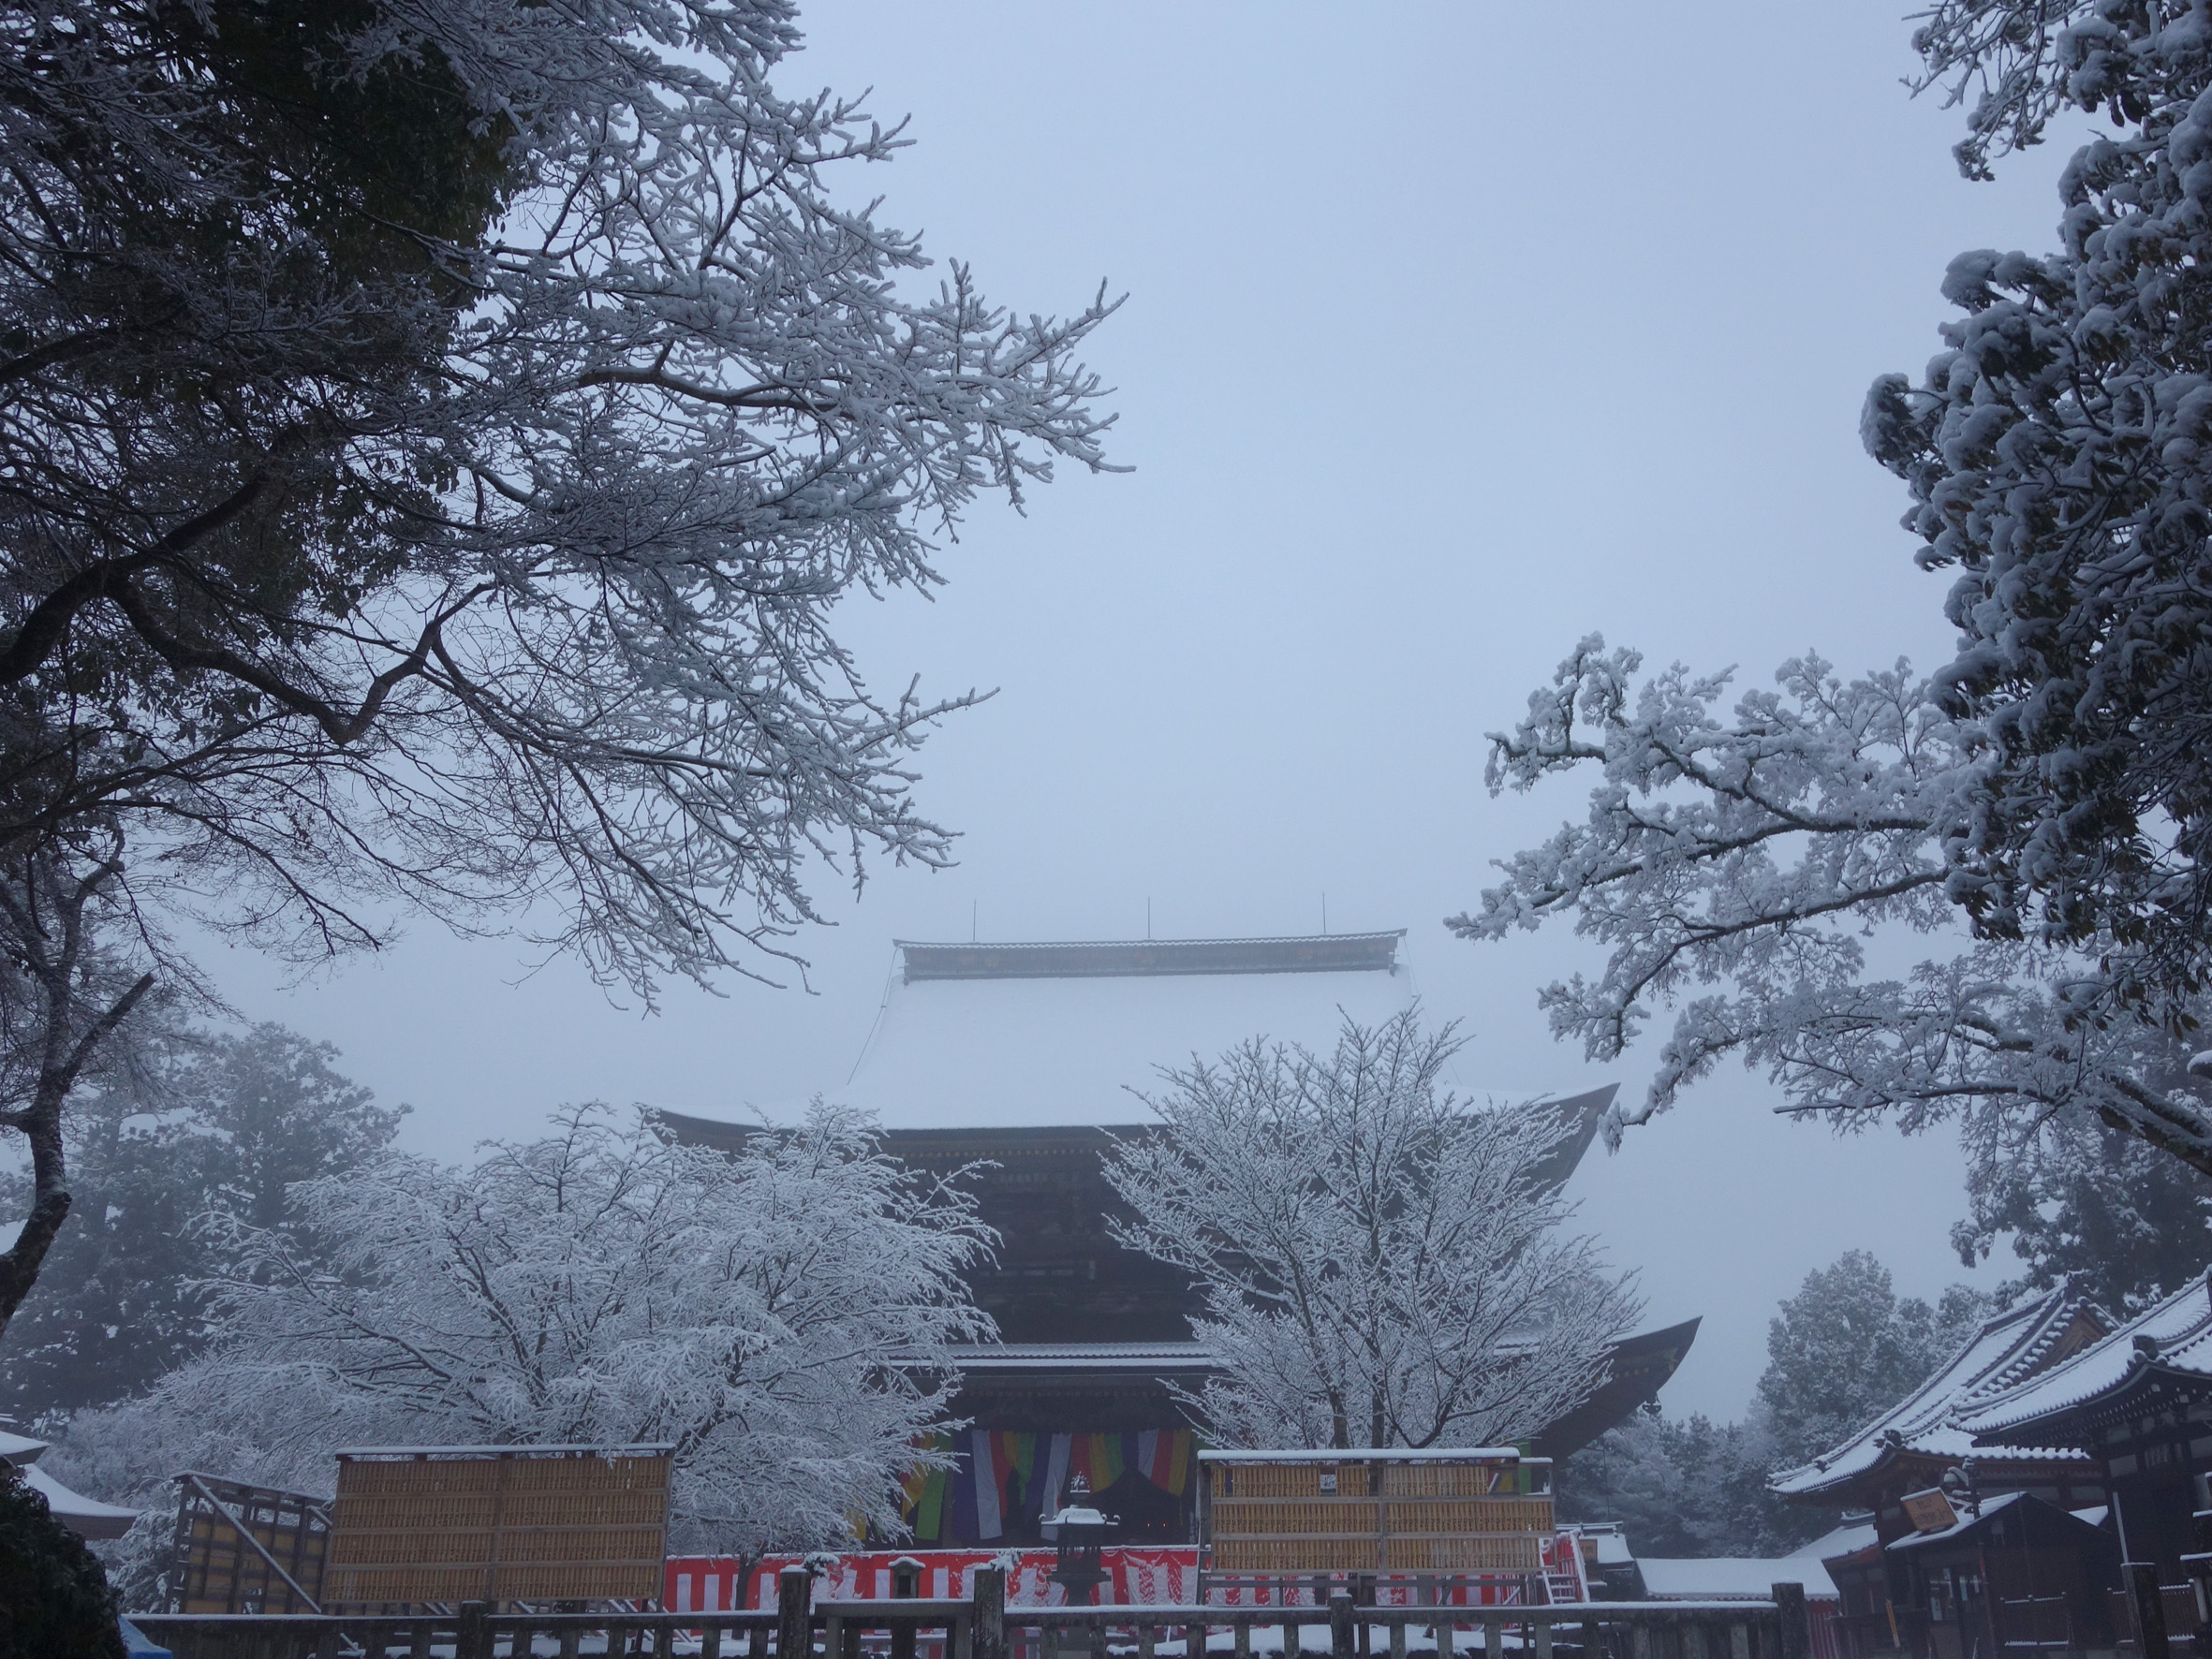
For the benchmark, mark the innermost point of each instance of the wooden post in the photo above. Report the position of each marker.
(1340, 1636)
(1397, 1639)
(1796, 1621)
(1739, 1640)
(987, 1640)
(794, 1614)
(472, 1636)
(2150, 1609)
(1493, 1639)
(1543, 1640)
(1639, 1640)
(1242, 1628)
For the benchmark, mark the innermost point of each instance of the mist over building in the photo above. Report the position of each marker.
(1029, 1058)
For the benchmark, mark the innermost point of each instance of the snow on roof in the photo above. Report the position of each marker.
(1612, 1550)
(1149, 1357)
(19, 1450)
(1847, 1540)
(1034, 1036)
(2175, 1335)
(1937, 1534)
(584, 1448)
(86, 1517)
(2007, 1349)
(1733, 1578)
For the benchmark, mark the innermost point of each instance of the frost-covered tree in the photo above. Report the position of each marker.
(223, 1126)
(1686, 1486)
(783, 1317)
(2051, 785)
(2057, 453)
(77, 961)
(437, 437)
(1737, 866)
(1846, 1348)
(1381, 1264)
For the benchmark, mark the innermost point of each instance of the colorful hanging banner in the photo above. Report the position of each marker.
(1005, 1480)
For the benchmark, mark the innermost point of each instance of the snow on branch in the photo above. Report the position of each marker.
(445, 501)
(785, 1317)
(1734, 869)
(1381, 1264)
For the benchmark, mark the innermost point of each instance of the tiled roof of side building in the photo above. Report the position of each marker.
(2009, 1348)
(2175, 1335)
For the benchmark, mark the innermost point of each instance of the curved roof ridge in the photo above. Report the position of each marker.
(1090, 959)
(2171, 1333)
(2001, 1351)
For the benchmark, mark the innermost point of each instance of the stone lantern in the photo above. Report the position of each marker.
(1079, 1533)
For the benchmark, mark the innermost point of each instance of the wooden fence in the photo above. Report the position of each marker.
(985, 1628)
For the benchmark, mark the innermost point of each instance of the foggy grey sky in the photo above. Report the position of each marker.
(1449, 340)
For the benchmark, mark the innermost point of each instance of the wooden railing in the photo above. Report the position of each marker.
(986, 1628)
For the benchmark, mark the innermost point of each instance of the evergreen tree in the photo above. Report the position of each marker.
(54, 1600)
(1840, 1352)
(1844, 1349)
(2126, 1223)
(223, 1130)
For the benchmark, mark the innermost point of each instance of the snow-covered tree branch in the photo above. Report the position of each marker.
(437, 433)
(783, 1316)
(2050, 788)
(1734, 868)
(437, 437)
(1381, 1264)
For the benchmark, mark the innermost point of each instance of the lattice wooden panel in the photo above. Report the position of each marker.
(1286, 1480)
(1472, 1515)
(1484, 1553)
(503, 1527)
(217, 1570)
(1241, 1517)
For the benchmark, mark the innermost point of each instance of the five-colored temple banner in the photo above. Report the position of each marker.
(1004, 1481)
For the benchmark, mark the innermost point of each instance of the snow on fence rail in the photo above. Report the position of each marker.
(984, 1627)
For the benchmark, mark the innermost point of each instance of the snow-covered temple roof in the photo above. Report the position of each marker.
(2016, 1345)
(2173, 1338)
(86, 1517)
(1047, 1034)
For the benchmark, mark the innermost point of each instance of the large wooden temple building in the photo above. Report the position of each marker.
(1027, 1058)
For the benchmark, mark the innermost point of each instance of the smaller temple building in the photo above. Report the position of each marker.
(1971, 1550)
(2140, 1402)
(2011, 1574)
(1910, 1448)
